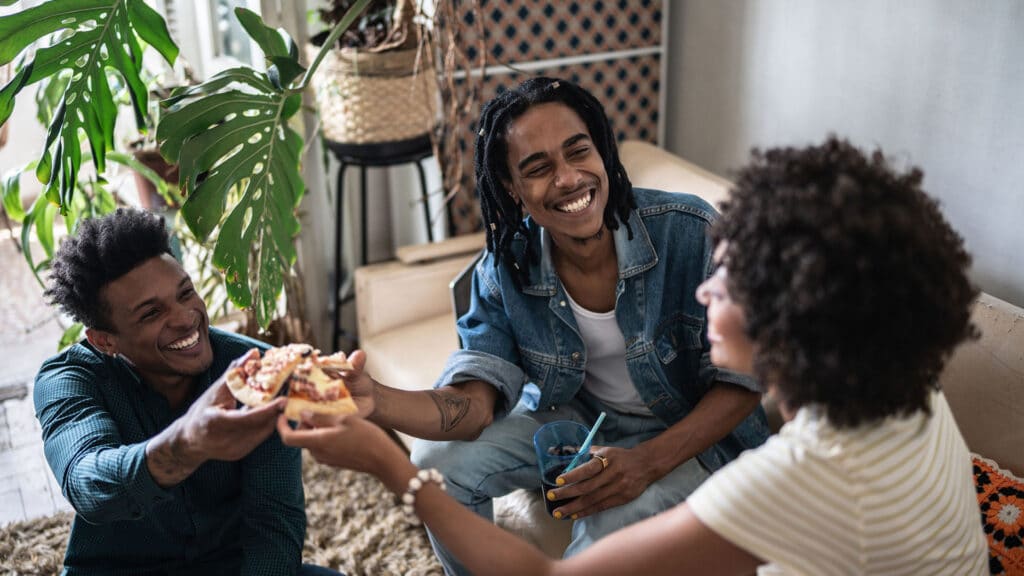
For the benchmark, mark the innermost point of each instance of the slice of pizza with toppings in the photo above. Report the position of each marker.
(310, 388)
(258, 380)
(336, 361)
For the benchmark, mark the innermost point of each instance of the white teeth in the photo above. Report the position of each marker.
(185, 343)
(577, 205)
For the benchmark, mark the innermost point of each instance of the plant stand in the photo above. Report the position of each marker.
(377, 155)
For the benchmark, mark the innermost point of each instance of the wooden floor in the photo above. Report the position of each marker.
(27, 487)
(28, 335)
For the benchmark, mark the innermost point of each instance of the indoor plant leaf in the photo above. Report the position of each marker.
(239, 161)
(269, 40)
(10, 190)
(96, 35)
(70, 336)
(284, 65)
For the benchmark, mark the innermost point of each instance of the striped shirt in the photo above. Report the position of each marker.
(244, 517)
(895, 497)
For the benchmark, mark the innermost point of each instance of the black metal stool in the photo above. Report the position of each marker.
(376, 155)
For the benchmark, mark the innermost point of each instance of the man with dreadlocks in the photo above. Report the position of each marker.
(585, 292)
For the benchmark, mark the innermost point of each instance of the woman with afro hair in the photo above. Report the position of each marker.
(841, 287)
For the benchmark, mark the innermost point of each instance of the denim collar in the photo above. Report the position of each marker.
(635, 256)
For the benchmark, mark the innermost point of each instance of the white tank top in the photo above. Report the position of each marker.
(607, 377)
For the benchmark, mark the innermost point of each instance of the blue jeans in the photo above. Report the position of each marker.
(502, 459)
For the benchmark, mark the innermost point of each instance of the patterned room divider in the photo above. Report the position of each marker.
(615, 49)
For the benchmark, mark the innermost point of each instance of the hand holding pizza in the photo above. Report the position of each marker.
(215, 429)
(359, 383)
(345, 441)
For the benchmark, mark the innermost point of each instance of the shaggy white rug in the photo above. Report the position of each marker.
(354, 526)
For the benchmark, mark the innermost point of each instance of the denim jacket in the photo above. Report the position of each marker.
(512, 336)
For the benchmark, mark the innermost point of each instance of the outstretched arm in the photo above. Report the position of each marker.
(671, 543)
(212, 429)
(457, 412)
(106, 479)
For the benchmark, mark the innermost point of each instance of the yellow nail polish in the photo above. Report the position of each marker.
(557, 514)
(560, 481)
(551, 495)
(575, 516)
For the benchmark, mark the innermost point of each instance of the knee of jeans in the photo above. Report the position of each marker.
(428, 454)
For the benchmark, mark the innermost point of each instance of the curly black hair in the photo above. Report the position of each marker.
(101, 251)
(853, 284)
(502, 216)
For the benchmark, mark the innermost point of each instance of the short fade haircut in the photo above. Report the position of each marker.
(102, 250)
(853, 284)
(502, 216)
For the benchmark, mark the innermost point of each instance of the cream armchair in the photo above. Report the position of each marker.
(407, 328)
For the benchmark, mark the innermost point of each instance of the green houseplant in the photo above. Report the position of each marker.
(232, 137)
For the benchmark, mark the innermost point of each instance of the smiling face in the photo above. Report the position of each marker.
(730, 346)
(158, 321)
(557, 172)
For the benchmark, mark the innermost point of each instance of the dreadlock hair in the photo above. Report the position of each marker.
(503, 217)
(102, 250)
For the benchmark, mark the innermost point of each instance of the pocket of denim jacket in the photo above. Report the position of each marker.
(536, 365)
(677, 334)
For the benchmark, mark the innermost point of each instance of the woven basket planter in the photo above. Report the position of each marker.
(367, 97)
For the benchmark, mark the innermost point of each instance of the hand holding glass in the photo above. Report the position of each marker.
(557, 444)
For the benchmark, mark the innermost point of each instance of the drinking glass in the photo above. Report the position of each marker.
(556, 444)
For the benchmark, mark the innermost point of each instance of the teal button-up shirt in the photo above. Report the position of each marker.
(244, 517)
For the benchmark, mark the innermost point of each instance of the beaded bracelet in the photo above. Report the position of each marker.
(415, 483)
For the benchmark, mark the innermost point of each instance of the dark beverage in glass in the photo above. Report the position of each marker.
(548, 483)
(556, 444)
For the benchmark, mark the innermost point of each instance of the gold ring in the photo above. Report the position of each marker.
(603, 459)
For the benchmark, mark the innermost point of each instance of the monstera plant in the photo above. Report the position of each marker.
(239, 156)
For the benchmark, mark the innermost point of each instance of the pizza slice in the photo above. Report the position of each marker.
(336, 361)
(258, 380)
(310, 388)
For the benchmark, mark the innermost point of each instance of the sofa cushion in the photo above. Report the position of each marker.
(412, 355)
(1001, 498)
(651, 167)
(984, 384)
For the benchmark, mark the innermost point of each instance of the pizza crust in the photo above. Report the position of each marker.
(293, 410)
(336, 361)
(244, 393)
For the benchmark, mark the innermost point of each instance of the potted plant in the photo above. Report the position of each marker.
(377, 84)
(239, 156)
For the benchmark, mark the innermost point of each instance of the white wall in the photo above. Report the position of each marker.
(934, 83)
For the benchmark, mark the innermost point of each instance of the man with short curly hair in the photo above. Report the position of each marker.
(165, 475)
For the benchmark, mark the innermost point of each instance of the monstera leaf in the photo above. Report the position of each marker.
(231, 138)
(94, 36)
(240, 165)
(239, 158)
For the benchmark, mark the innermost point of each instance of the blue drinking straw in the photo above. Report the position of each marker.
(585, 448)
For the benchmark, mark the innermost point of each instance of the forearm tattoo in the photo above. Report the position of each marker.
(168, 464)
(452, 405)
